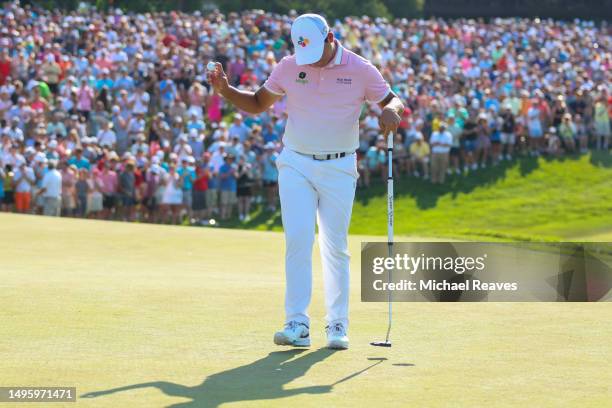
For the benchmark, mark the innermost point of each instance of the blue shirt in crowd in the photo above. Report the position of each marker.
(227, 183)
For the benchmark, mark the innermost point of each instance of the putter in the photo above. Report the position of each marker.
(390, 137)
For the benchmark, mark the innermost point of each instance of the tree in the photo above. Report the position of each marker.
(405, 8)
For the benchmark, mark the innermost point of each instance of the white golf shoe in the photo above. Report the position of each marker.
(336, 337)
(294, 334)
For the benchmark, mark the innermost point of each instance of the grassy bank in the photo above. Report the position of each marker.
(524, 199)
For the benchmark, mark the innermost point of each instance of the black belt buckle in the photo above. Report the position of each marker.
(329, 156)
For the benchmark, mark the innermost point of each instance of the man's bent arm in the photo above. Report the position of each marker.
(251, 102)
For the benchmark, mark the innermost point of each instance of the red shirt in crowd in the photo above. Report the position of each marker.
(5, 70)
(201, 182)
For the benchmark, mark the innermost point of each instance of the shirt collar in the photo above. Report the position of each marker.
(341, 57)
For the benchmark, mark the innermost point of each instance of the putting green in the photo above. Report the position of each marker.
(159, 316)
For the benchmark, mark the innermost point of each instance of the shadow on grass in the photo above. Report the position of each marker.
(601, 158)
(427, 194)
(260, 218)
(263, 379)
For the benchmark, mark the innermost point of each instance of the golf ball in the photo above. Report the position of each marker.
(211, 66)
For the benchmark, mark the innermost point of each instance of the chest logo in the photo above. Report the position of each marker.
(301, 79)
(344, 81)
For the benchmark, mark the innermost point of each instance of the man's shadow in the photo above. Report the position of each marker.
(260, 380)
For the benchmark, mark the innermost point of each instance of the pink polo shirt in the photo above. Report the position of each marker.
(324, 104)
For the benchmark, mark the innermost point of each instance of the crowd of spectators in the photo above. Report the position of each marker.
(109, 115)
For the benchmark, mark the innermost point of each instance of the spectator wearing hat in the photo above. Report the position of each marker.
(56, 127)
(127, 190)
(239, 129)
(196, 142)
(508, 132)
(8, 198)
(85, 99)
(188, 175)
(483, 142)
(52, 151)
(120, 126)
(152, 196)
(82, 192)
(470, 143)
(109, 180)
(51, 72)
(182, 149)
(78, 160)
(197, 99)
(200, 186)
(212, 193)
(227, 186)
(69, 198)
(602, 112)
(195, 123)
(400, 156)
(2, 177)
(106, 137)
(136, 126)
(440, 142)
(98, 118)
(582, 134)
(140, 145)
(534, 126)
(568, 133)
(456, 130)
(51, 190)
(244, 192)
(172, 199)
(553, 143)
(40, 167)
(177, 128)
(375, 160)
(419, 152)
(95, 197)
(23, 181)
(139, 102)
(270, 175)
(14, 132)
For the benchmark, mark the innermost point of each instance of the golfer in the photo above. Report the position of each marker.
(326, 86)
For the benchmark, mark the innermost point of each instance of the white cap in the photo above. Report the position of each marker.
(308, 34)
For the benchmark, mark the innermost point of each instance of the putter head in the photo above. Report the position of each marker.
(381, 343)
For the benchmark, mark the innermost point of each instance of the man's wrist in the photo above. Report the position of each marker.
(224, 92)
(395, 108)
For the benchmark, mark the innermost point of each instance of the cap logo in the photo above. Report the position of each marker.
(303, 42)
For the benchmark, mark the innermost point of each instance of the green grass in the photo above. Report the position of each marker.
(525, 199)
(154, 316)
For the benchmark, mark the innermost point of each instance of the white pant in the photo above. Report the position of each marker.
(324, 189)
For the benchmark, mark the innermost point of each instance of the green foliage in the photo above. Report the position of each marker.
(331, 8)
(405, 8)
